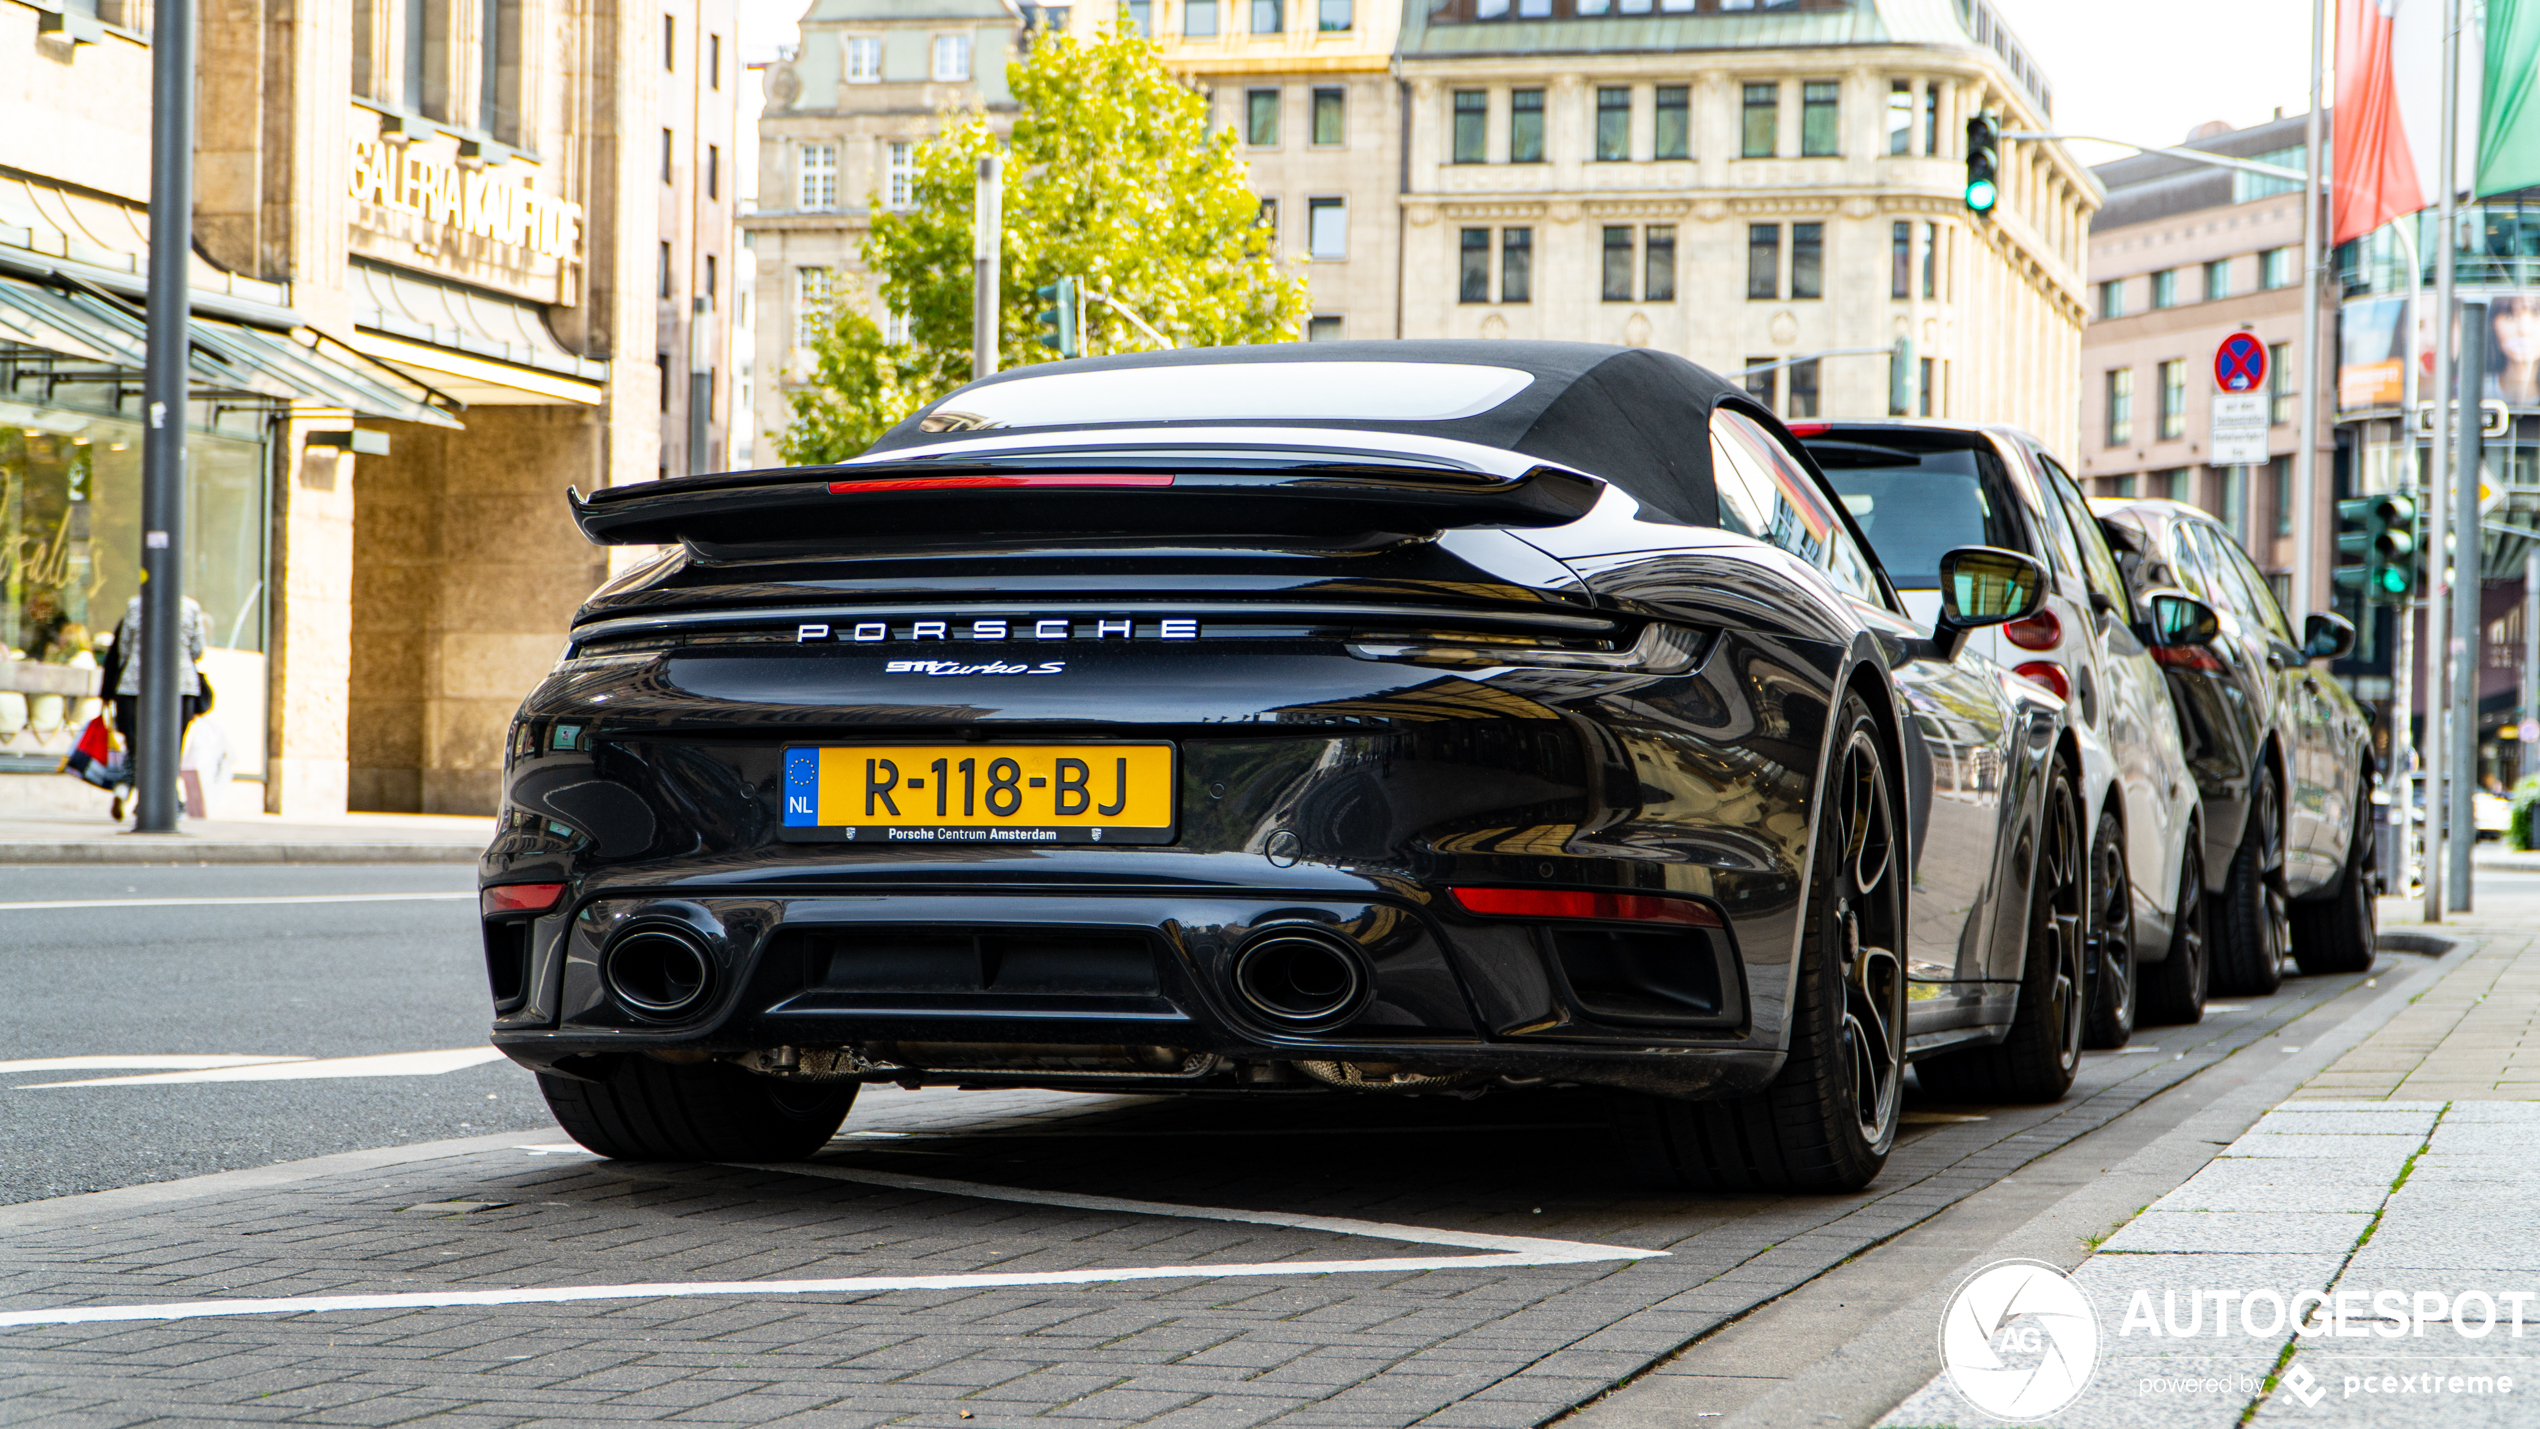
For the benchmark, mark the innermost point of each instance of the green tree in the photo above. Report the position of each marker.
(1112, 176)
(859, 386)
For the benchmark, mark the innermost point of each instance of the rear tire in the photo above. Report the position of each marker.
(1828, 1120)
(2037, 1061)
(2250, 939)
(646, 1110)
(2174, 988)
(2337, 934)
(2111, 939)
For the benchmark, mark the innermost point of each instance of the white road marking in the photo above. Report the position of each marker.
(386, 1064)
(235, 902)
(1508, 1252)
(151, 1063)
(555, 1148)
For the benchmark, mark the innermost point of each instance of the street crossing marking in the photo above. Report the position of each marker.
(1504, 1252)
(235, 902)
(302, 1069)
(148, 1063)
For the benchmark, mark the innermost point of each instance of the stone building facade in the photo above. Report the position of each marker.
(448, 257)
(1748, 185)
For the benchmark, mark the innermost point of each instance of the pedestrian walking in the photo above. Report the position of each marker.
(121, 677)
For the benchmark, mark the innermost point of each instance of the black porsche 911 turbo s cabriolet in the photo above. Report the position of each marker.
(1429, 718)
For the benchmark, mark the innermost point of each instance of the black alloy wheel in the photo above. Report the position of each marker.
(2174, 988)
(2252, 915)
(2337, 933)
(2036, 1062)
(1829, 1119)
(2110, 956)
(647, 1110)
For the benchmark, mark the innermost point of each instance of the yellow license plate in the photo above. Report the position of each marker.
(980, 793)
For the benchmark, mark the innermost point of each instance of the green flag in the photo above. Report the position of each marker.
(2509, 114)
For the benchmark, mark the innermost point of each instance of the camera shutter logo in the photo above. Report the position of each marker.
(2018, 1340)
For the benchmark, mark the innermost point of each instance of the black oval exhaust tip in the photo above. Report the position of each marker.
(1300, 979)
(659, 971)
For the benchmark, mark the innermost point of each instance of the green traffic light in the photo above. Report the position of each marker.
(2394, 580)
(1981, 195)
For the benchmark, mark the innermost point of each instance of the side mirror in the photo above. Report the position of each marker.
(1980, 586)
(2327, 636)
(2179, 620)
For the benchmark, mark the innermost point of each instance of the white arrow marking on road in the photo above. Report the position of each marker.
(163, 1064)
(388, 1064)
(235, 902)
(1511, 1252)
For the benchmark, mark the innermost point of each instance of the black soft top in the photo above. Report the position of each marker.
(1634, 416)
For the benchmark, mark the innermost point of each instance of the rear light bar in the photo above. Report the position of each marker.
(520, 898)
(958, 483)
(2049, 674)
(1809, 429)
(1571, 903)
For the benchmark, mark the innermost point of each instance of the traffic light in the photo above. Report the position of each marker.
(1984, 141)
(1058, 322)
(2383, 546)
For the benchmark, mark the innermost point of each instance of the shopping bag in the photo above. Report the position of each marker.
(96, 758)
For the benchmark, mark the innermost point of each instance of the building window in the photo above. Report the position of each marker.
(1525, 126)
(1617, 279)
(1803, 390)
(1517, 265)
(811, 304)
(1931, 260)
(714, 171)
(1261, 118)
(1473, 277)
(1900, 116)
(1322, 329)
(1613, 124)
(895, 327)
(2173, 375)
(1266, 17)
(1199, 19)
(714, 62)
(1931, 119)
(1758, 379)
(1763, 260)
(1138, 13)
(1926, 388)
(710, 267)
(662, 274)
(1674, 129)
(2218, 279)
(1270, 218)
(1900, 259)
(1326, 228)
(1760, 121)
(1328, 111)
(2275, 269)
(498, 93)
(1332, 17)
(816, 166)
(900, 174)
(2120, 407)
(952, 58)
(1820, 112)
(670, 42)
(1658, 265)
(1807, 260)
(2280, 393)
(2165, 288)
(864, 59)
(2281, 468)
(1472, 114)
(669, 146)
(2112, 298)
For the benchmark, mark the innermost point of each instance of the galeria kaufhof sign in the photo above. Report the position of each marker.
(415, 208)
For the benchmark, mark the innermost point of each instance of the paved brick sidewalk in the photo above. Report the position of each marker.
(2475, 1035)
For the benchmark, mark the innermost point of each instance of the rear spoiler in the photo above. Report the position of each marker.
(931, 500)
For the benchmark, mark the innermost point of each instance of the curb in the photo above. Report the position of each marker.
(181, 850)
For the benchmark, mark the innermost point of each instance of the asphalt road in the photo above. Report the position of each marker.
(201, 978)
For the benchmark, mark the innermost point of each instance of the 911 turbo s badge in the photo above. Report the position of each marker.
(955, 667)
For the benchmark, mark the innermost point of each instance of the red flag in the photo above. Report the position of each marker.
(2376, 176)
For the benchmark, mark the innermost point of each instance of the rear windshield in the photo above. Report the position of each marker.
(1918, 499)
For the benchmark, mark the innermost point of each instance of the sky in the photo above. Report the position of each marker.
(2150, 70)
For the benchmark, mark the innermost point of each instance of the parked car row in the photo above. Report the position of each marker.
(1399, 719)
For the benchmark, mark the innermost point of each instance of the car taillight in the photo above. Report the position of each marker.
(2041, 631)
(2187, 657)
(2049, 674)
(1810, 429)
(520, 898)
(1571, 903)
(960, 483)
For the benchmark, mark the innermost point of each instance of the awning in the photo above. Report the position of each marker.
(295, 367)
(483, 348)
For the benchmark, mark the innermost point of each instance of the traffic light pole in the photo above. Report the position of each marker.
(2467, 539)
(2438, 541)
(159, 731)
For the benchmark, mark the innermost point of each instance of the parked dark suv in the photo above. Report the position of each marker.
(2281, 753)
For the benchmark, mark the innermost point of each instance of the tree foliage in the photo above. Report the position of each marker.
(1113, 177)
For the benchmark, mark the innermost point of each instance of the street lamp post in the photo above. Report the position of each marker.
(159, 732)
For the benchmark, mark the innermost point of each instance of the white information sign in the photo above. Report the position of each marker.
(2240, 429)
